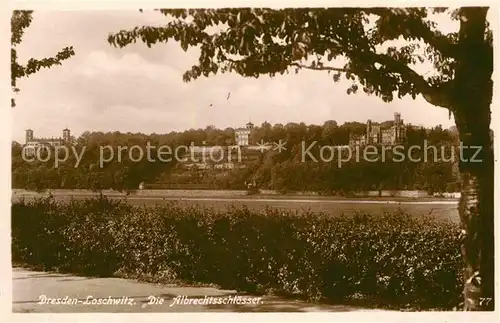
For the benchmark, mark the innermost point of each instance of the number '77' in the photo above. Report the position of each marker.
(484, 301)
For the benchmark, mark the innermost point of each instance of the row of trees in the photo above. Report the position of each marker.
(330, 133)
(287, 170)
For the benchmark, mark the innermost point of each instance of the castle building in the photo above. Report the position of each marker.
(394, 135)
(242, 135)
(32, 144)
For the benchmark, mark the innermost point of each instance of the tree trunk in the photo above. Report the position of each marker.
(471, 99)
(477, 219)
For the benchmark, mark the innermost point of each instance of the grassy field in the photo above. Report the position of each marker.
(440, 209)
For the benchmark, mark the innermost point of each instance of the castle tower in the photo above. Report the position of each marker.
(29, 135)
(397, 126)
(368, 131)
(66, 135)
(397, 118)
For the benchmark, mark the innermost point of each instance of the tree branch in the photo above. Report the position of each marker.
(34, 65)
(434, 95)
(319, 68)
(418, 28)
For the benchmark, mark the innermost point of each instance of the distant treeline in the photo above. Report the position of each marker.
(282, 171)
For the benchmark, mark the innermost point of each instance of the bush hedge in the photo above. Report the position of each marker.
(394, 258)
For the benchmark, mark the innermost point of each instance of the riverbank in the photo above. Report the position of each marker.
(229, 194)
(439, 208)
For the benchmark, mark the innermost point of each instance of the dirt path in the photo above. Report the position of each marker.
(30, 288)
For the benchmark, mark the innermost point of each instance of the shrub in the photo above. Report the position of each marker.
(395, 258)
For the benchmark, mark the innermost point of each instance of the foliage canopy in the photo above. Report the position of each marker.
(257, 41)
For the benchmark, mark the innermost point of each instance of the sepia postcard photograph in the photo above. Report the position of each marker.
(279, 158)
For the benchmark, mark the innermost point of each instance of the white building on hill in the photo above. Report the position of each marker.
(242, 135)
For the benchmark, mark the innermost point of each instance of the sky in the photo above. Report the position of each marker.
(140, 89)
